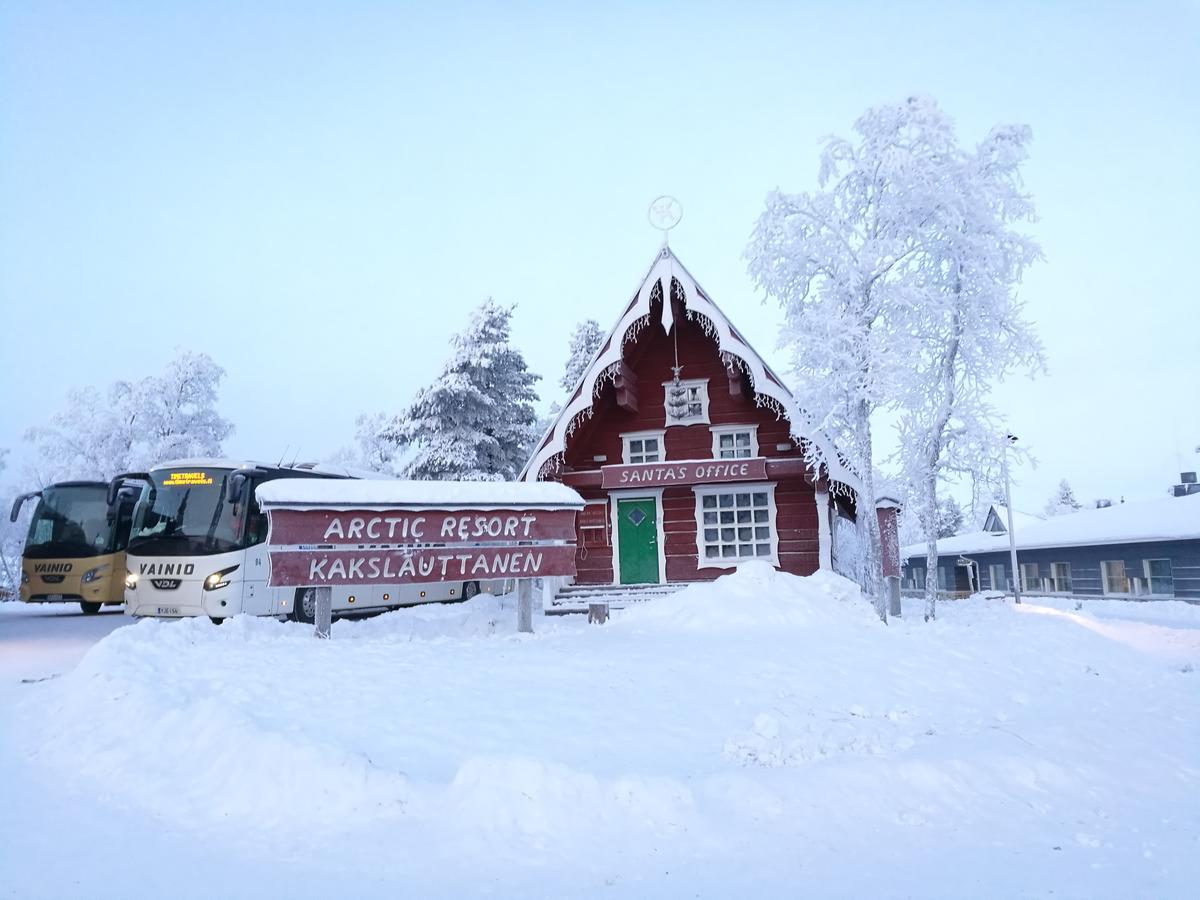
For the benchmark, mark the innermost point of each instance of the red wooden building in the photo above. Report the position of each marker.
(689, 450)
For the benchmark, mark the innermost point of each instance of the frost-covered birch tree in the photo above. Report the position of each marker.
(972, 326)
(372, 450)
(842, 262)
(132, 425)
(474, 422)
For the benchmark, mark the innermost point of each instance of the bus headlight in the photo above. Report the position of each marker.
(92, 574)
(24, 577)
(218, 580)
(131, 580)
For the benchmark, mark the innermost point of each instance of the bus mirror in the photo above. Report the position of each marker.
(121, 481)
(233, 490)
(19, 502)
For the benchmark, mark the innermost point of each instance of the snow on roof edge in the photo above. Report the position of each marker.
(553, 440)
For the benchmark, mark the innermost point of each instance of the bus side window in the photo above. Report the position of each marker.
(256, 526)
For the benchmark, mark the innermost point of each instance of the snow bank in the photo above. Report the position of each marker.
(756, 596)
(132, 719)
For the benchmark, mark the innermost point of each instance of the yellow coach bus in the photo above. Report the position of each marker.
(75, 549)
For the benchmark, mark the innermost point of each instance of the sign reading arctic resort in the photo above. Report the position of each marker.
(349, 533)
(361, 526)
(697, 471)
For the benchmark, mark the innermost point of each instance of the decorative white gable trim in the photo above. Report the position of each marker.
(769, 390)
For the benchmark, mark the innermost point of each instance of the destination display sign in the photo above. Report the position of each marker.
(696, 471)
(329, 568)
(313, 527)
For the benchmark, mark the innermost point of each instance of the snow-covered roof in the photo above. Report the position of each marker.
(1021, 520)
(356, 494)
(769, 389)
(1169, 519)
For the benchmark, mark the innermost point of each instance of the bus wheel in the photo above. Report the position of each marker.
(217, 620)
(89, 609)
(304, 607)
(470, 589)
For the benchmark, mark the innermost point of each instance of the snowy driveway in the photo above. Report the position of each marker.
(758, 740)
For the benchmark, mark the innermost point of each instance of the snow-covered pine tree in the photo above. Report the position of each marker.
(969, 262)
(133, 425)
(842, 263)
(585, 341)
(950, 517)
(474, 422)
(1063, 502)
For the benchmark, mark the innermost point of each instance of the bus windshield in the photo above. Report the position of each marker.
(70, 521)
(184, 513)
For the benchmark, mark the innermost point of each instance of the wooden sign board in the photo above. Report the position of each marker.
(426, 565)
(308, 527)
(698, 471)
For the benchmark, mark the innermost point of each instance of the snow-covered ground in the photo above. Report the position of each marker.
(762, 736)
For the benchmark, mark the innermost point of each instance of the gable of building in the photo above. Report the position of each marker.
(668, 293)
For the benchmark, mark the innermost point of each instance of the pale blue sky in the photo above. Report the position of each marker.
(316, 194)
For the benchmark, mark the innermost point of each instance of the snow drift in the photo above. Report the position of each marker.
(756, 596)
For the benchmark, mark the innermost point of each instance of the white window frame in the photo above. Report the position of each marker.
(720, 430)
(1149, 580)
(740, 487)
(641, 436)
(917, 577)
(1037, 578)
(1104, 577)
(1054, 578)
(1003, 570)
(701, 419)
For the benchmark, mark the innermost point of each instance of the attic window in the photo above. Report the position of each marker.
(694, 410)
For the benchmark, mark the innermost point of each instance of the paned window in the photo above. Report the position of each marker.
(1030, 577)
(999, 576)
(918, 577)
(1115, 579)
(736, 525)
(735, 441)
(1160, 576)
(643, 447)
(1060, 575)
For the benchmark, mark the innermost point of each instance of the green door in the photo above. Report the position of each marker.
(637, 533)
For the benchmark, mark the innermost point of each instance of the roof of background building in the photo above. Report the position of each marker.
(1169, 519)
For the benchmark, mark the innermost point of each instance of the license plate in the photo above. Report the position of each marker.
(54, 598)
(168, 610)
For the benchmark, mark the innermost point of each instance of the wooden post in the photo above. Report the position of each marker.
(525, 605)
(324, 612)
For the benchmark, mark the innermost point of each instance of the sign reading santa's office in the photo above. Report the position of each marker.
(687, 450)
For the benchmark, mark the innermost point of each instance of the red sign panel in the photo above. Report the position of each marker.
(890, 539)
(328, 568)
(696, 471)
(407, 527)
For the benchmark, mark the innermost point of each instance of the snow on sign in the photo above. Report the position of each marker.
(326, 533)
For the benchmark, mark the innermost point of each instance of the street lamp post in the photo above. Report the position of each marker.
(1012, 538)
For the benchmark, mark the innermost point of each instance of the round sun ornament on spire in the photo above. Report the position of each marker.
(664, 214)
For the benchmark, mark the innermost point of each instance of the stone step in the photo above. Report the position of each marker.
(575, 598)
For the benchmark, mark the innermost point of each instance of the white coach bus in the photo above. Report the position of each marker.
(198, 548)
